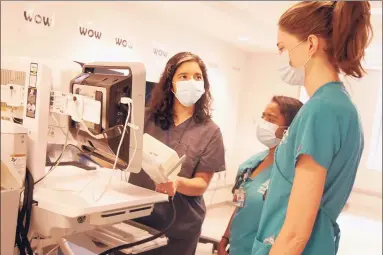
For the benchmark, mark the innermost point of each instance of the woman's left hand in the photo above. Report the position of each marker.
(168, 188)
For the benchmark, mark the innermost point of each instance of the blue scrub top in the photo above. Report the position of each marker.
(245, 221)
(327, 128)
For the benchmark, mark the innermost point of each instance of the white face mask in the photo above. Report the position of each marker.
(189, 92)
(289, 74)
(266, 133)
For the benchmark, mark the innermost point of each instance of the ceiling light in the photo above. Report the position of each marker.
(243, 38)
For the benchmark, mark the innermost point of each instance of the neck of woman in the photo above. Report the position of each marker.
(181, 112)
(271, 152)
(319, 75)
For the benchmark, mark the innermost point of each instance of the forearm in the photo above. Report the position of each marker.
(288, 244)
(192, 187)
(226, 237)
(303, 207)
(294, 234)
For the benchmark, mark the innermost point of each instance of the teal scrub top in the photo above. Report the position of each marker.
(245, 221)
(327, 128)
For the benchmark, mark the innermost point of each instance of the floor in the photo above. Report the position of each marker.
(359, 235)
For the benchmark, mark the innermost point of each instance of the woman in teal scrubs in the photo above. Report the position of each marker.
(254, 176)
(316, 162)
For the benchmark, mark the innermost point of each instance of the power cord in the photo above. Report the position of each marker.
(117, 154)
(146, 240)
(58, 160)
(133, 126)
(24, 217)
(53, 250)
(58, 124)
(62, 152)
(124, 101)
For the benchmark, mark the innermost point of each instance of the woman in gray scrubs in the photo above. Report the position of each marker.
(179, 115)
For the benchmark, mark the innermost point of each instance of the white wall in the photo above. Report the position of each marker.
(363, 91)
(144, 31)
(366, 198)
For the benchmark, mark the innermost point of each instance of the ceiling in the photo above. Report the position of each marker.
(249, 25)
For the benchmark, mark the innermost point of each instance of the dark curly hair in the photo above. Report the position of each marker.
(162, 99)
(288, 106)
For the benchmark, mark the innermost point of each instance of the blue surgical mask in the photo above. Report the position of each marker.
(289, 74)
(189, 92)
(266, 133)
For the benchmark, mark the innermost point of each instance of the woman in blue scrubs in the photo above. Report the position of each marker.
(316, 162)
(254, 176)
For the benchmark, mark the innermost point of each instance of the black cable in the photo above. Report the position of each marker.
(18, 240)
(25, 212)
(146, 240)
(24, 217)
(28, 211)
(54, 163)
(17, 120)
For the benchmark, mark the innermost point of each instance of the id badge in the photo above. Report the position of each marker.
(239, 197)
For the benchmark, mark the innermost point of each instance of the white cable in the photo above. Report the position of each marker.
(72, 190)
(54, 248)
(62, 155)
(58, 124)
(84, 126)
(117, 154)
(58, 162)
(135, 141)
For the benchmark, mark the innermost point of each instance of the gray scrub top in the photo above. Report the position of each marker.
(203, 146)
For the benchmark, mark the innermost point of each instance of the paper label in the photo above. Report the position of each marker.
(92, 110)
(58, 102)
(31, 103)
(33, 75)
(19, 162)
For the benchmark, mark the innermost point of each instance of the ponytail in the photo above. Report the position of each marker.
(351, 34)
(344, 25)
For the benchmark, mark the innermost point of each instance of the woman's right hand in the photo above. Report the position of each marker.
(169, 188)
(222, 247)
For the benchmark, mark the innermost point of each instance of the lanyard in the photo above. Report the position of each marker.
(182, 135)
(246, 175)
(241, 179)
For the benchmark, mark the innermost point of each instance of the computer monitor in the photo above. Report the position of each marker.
(107, 83)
